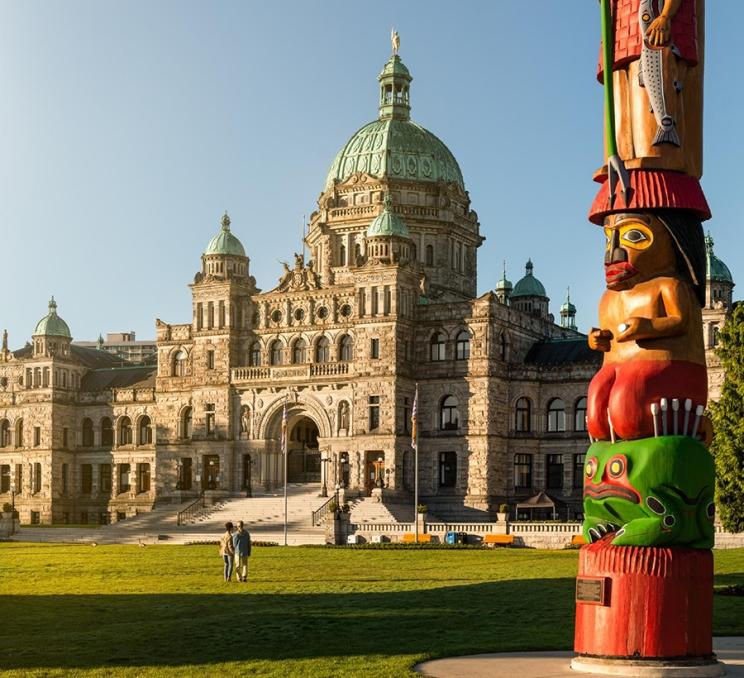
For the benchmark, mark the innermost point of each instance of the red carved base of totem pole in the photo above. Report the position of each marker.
(644, 602)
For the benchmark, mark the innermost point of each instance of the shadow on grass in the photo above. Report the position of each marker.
(89, 631)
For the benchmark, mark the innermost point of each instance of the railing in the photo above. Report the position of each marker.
(460, 527)
(191, 510)
(382, 527)
(289, 371)
(319, 515)
(525, 528)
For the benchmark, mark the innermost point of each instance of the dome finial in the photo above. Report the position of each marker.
(225, 221)
(394, 40)
(529, 267)
(52, 306)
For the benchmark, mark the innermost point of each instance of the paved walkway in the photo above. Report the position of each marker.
(730, 651)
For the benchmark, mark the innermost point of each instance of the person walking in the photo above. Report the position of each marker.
(241, 540)
(227, 550)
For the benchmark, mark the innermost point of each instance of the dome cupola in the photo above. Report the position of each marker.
(504, 288)
(393, 145)
(225, 256)
(719, 283)
(52, 334)
(388, 239)
(529, 294)
(568, 312)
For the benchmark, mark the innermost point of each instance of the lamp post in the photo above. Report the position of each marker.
(379, 482)
(12, 506)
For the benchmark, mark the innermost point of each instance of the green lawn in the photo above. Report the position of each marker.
(164, 610)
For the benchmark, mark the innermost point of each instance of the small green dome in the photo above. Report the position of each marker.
(393, 145)
(225, 242)
(529, 286)
(504, 285)
(387, 223)
(51, 325)
(715, 269)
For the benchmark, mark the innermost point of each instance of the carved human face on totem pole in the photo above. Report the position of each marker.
(639, 248)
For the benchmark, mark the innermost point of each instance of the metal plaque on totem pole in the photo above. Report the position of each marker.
(592, 590)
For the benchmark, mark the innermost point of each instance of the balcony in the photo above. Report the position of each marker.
(289, 372)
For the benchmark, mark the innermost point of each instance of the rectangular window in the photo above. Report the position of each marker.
(199, 316)
(578, 470)
(374, 348)
(143, 478)
(522, 471)
(65, 479)
(19, 478)
(387, 301)
(35, 518)
(36, 484)
(406, 416)
(447, 469)
(84, 518)
(124, 471)
(65, 436)
(222, 313)
(5, 478)
(375, 299)
(210, 417)
(86, 478)
(104, 471)
(554, 471)
(210, 314)
(362, 303)
(37, 436)
(374, 412)
(210, 359)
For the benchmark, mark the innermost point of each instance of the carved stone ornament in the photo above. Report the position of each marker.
(299, 279)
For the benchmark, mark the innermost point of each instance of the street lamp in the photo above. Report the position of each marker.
(379, 482)
(12, 506)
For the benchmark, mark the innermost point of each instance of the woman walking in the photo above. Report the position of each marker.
(227, 551)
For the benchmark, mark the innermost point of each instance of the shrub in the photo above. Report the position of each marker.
(422, 508)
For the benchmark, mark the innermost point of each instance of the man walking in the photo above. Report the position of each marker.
(241, 541)
(227, 550)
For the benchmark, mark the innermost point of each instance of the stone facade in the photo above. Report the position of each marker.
(385, 303)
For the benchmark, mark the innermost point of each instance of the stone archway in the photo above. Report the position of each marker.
(303, 461)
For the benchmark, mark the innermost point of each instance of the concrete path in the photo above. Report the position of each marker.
(730, 652)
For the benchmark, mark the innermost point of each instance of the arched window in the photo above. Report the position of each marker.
(323, 350)
(523, 413)
(430, 255)
(186, 420)
(125, 431)
(462, 345)
(4, 433)
(19, 433)
(254, 358)
(580, 415)
(275, 352)
(556, 416)
(144, 436)
(449, 418)
(342, 255)
(437, 347)
(179, 364)
(715, 331)
(87, 433)
(345, 349)
(107, 432)
(299, 352)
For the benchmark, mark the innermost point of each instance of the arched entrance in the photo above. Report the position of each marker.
(303, 461)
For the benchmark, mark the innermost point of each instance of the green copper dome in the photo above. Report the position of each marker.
(393, 145)
(504, 285)
(387, 223)
(225, 242)
(51, 324)
(715, 269)
(529, 286)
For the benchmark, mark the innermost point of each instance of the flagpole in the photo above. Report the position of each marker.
(415, 466)
(284, 451)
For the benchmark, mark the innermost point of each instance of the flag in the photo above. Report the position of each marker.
(284, 428)
(414, 422)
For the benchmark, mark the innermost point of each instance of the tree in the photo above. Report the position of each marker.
(728, 424)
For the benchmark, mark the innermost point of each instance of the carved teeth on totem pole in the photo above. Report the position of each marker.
(664, 406)
(688, 407)
(698, 414)
(655, 417)
(675, 409)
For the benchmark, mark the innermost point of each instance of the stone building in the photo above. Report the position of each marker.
(385, 301)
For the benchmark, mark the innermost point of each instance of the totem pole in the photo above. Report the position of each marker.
(644, 593)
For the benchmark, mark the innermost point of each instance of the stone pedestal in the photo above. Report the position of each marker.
(652, 606)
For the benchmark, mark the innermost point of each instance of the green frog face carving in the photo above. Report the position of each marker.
(650, 492)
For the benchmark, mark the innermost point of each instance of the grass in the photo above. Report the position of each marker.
(125, 611)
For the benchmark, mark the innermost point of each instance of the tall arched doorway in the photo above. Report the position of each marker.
(303, 461)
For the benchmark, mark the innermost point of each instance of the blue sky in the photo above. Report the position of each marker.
(127, 128)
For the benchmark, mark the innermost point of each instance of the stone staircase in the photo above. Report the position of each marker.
(263, 515)
(369, 510)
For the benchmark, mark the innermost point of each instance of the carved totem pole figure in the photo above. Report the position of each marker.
(649, 478)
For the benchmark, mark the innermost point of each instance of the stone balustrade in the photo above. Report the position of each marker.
(280, 372)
